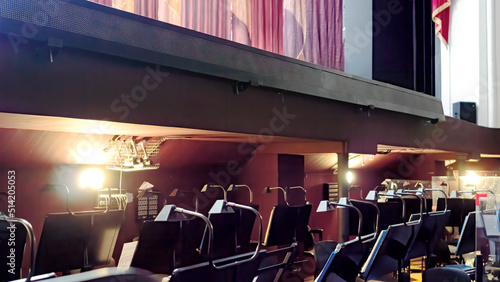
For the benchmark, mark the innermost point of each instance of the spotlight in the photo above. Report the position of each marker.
(92, 178)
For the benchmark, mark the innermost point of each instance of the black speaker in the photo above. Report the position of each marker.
(465, 111)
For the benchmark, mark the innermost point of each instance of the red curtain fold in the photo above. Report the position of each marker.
(267, 25)
(441, 16)
(210, 17)
(146, 8)
(324, 45)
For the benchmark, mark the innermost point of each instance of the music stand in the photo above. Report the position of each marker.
(156, 246)
(62, 243)
(390, 214)
(103, 235)
(369, 212)
(390, 250)
(431, 230)
(245, 224)
(281, 227)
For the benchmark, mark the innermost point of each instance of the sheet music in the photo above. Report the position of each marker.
(127, 254)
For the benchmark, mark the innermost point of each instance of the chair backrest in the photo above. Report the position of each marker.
(467, 240)
(322, 252)
(345, 262)
(440, 274)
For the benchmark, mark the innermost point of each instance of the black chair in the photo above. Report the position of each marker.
(345, 262)
(440, 274)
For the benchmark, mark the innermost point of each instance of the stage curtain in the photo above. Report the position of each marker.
(242, 21)
(323, 44)
(267, 25)
(146, 8)
(211, 17)
(170, 11)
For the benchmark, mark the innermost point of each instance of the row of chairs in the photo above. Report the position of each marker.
(374, 256)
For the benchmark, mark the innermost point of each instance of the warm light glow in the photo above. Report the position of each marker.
(350, 177)
(471, 178)
(92, 178)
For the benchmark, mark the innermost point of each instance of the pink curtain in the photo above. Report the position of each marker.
(309, 30)
(210, 17)
(294, 28)
(267, 25)
(241, 21)
(170, 11)
(323, 45)
(147, 8)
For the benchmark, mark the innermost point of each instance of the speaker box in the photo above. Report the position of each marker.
(465, 111)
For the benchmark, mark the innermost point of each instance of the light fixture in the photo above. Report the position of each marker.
(219, 207)
(130, 154)
(471, 178)
(233, 187)
(325, 206)
(285, 195)
(206, 186)
(92, 178)
(445, 185)
(349, 177)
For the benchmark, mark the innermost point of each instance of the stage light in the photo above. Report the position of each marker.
(471, 178)
(92, 178)
(349, 177)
